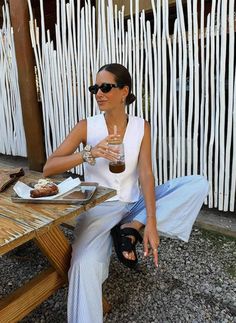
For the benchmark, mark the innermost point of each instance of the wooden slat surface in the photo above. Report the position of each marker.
(20, 222)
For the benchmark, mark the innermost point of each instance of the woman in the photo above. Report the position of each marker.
(178, 201)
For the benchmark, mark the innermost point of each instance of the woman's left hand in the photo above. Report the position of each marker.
(151, 238)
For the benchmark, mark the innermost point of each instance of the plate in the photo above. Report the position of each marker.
(79, 194)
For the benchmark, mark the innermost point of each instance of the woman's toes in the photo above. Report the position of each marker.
(126, 254)
(129, 255)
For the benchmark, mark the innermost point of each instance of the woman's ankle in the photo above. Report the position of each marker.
(133, 224)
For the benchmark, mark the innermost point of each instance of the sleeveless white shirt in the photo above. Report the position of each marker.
(126, 183)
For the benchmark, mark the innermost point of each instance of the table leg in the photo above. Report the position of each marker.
(56, 248)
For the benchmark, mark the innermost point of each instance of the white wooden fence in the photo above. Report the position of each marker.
(185, 83)
(12, 138)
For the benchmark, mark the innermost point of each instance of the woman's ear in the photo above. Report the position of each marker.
(125, 90)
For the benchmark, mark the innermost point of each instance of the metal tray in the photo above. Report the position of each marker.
(78, 195)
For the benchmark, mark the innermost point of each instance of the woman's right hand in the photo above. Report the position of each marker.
(102, 149)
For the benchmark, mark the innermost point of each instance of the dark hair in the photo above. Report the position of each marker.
(122, 78)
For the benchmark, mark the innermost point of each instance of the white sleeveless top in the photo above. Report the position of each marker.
(126, 183)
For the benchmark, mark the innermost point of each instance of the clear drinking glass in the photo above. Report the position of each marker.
(117, 166)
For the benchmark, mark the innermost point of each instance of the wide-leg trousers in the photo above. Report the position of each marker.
(178, 203)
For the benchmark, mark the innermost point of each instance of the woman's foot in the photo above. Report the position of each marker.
(134, 225)
(125, 238)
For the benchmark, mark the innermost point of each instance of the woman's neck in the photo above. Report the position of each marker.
(116, 122)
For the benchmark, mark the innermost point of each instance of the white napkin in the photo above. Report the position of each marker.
(23, 190)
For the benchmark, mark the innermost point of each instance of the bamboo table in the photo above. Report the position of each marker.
(21, 222)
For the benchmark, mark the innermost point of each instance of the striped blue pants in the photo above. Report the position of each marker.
(178, 203)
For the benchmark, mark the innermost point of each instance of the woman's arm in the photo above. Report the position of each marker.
(64, 157)
(148, 189)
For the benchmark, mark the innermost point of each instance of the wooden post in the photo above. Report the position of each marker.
(32, 114)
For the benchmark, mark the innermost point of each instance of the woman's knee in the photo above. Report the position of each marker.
(202, 183)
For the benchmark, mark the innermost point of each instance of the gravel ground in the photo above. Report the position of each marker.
(195, 282)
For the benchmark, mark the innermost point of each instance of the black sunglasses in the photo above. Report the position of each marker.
(105, 87)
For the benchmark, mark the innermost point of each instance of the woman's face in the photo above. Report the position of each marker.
(115, 98)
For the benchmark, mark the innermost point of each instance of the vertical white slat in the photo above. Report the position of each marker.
(189, 101)
(196, 90)
(129, 53)
(4, 113)
(93, 35)
(123, 37)
(132, 62)
(141, 71)
(158, 91)
(146, 91)
(87, 69)
(206, 106)
(169, 91)
(104, 35)
(151, 87)
(212, 102)
(179, 80)
(60, 85)
(111, 29)
(164, 94)
(229, 131)
(223, 29)
(182, 47)
(96, 64)
(65, 63)
(233, 168)
(156, 118)
(80, 106)
(175, 104)
(202, 41)
(182, 103)
(48, 98)
(80, 74)
(154, 80)
(217, 100)
(56, 95)
(74, 64)
(70, 66)
(117, 36)
(99, 32)
(138, 84)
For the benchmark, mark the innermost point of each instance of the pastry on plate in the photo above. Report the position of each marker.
(44, 188)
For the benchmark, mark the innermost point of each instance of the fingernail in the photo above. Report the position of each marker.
(145, 254)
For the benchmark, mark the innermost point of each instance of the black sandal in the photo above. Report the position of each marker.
(123, 243)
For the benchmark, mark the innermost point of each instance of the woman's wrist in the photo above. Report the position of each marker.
(151, 218)
(87, 155)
